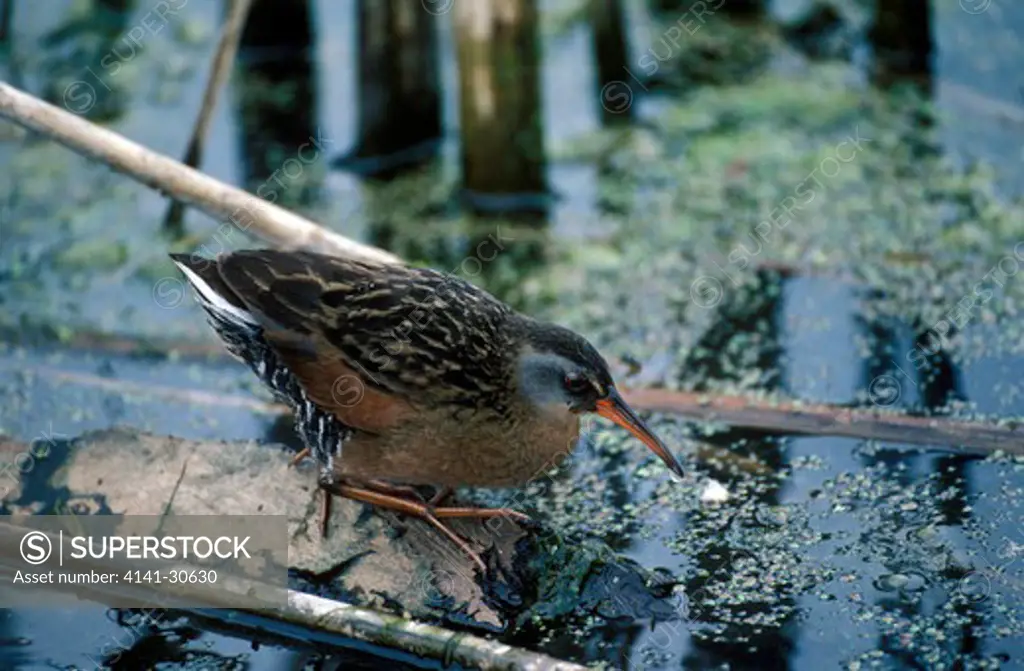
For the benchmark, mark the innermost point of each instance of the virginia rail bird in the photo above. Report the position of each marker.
(402, 376)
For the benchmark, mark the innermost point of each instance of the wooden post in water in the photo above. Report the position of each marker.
(901, 37)
(503, 162)
(6, 23)
(276, 94)
(610, 54)
(399, 88)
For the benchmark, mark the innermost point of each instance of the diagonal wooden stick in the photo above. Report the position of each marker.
(274, 224)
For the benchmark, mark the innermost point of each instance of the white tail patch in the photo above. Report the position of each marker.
(215, 300)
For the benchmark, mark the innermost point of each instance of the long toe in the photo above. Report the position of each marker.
(298, 458)
(458, 540)
(485, 513)
(527, 522)
(404, 491)
(409, 507)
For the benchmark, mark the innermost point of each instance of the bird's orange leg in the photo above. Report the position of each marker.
(325, 504)
(325, 512)
(408, 507)
(408, 492)
(395, 490)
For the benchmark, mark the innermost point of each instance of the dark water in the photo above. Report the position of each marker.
(857, 553)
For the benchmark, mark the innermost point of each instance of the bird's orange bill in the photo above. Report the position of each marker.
(617, 410)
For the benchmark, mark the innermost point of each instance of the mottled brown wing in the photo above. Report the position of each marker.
(412, 336)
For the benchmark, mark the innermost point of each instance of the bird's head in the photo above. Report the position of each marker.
(559, 371)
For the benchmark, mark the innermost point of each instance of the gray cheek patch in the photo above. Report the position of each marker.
(540, 377)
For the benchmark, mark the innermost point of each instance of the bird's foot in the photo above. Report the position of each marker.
(325, 498)
(409, 507)
(298, 458)
(326, 481)
(410, 492)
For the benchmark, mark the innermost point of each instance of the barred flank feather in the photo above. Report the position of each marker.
(244, 337)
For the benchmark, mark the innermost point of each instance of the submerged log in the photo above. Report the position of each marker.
(374, 571)
(383, 562)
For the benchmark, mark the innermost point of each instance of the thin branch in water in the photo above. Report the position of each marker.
(174, 394)
(220, 71)
(793, 417)
(99, 342)
(779, 416)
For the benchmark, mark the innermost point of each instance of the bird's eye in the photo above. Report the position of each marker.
(576, 383)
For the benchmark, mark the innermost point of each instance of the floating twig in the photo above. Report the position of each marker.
(101, 342)
(781, 416)
(176, 394)
(828, 420)
(220, 71)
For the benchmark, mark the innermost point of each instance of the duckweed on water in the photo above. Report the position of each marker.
(882, 552)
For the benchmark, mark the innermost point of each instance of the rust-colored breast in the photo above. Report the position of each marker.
(480, 451)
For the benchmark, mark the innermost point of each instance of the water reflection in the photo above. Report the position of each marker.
(901, 37)
(608, 26)
(84, 55)
(282, 153)
(6, 22)
(932, 381)
(501, 126)
(746, 335)
(398, 89)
